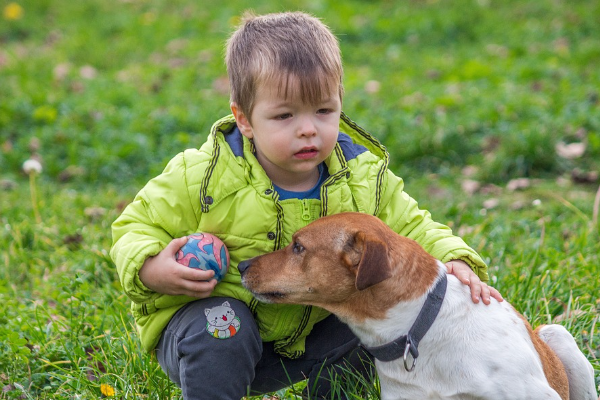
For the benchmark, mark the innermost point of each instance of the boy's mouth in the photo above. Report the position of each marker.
(307, 152)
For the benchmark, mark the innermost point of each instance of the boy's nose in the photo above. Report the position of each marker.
(307, 127)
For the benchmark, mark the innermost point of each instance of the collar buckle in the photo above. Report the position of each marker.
(408, 350)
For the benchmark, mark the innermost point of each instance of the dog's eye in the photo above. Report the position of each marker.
(297, 248)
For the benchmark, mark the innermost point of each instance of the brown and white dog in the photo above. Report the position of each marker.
(401, 304)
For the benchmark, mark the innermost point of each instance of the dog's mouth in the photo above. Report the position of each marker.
(270, 297)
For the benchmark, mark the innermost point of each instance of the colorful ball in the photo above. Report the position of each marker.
(205, 251)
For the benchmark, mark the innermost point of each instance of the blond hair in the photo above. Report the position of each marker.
(290, 50)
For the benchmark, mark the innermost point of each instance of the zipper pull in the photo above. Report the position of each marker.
(305, 210)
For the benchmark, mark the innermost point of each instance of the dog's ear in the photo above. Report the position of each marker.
(373, 266)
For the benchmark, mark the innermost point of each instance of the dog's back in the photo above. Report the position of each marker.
(474, 351)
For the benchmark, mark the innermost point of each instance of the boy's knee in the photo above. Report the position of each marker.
(216, 328)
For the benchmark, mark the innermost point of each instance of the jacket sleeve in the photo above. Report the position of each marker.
(160, 212)
(402, 214)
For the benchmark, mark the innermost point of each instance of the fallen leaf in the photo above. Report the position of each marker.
(7, 185)
(491, 203)
(567, 315)
(579, 176)
(221, 85)
(72, 171)
(518, 184)
(73, 240)
(470, 186)
(491, 189)
(517, 205)
(372, 86)
(88, 72)
(61, 71)
(469, 170)
(465, 230)
(570, 151)
(94, 212)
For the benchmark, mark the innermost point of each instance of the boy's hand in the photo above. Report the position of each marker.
(163, 274)
(461, 270)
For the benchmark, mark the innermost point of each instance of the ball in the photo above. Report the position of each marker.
(204, 251)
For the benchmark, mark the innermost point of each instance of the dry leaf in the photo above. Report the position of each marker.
(470, 186)
(221, 85)
(518, 184)
(469, 170)
(88, 72)
(567, 315)
(61, 71)
(491, 203)
(372, 86)
(570, 151)
(94, 212)
(579, 176)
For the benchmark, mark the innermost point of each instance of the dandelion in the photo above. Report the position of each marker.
(33, 167)
(12, 11)
(107, 390)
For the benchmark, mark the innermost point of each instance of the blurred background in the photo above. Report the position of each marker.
(109, 90)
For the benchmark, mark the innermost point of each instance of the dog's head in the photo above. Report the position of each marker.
(329, 262)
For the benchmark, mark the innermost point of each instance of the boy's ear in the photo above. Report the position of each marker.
(242, 121)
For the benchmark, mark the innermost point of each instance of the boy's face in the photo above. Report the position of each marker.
(291, 137)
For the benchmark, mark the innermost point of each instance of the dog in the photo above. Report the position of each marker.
(429, 340)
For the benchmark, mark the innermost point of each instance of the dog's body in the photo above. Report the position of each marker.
(377, 282)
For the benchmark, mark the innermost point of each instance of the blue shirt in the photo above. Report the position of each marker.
(312, 193)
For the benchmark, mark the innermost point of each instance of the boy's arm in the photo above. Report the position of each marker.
(160, 212)
(402, 214)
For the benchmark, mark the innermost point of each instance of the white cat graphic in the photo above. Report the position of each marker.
(222, 322)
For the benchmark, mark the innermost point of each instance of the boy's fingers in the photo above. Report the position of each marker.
(485, 293)
(176, 244)
(196, 274)
(496, 294)
(462, 275)
(200, 289)
(475, 289)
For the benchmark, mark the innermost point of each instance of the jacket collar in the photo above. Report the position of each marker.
(227, 145)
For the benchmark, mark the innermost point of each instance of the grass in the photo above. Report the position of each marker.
(466, 95)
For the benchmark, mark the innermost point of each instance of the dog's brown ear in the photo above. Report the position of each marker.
(374, 264)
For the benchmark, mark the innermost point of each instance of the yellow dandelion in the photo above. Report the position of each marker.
(12, 11)
(107, 390)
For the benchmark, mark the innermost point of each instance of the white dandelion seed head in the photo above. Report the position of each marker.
(32, 166)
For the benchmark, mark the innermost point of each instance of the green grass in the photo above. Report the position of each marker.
(105, 92)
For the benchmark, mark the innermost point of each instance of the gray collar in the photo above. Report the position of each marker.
(409, 343)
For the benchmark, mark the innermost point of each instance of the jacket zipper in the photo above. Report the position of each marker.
(305, 210)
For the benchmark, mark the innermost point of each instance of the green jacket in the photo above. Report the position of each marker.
(222, 189)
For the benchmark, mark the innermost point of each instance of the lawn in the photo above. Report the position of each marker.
(490, 111)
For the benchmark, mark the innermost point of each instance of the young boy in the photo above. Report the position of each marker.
(286, 157)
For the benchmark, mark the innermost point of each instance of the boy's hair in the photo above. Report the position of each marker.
(291, 50)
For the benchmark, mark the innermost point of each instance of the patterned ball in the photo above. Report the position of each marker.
(205, 251)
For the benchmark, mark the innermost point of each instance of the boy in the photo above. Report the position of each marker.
(286, 157)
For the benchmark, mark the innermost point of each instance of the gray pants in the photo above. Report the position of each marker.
(226, 359)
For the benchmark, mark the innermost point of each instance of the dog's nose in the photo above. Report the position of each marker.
(244, 265)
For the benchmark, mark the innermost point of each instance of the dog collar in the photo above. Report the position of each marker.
(409, 343)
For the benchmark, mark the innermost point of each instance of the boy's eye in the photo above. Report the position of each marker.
(283, 116)
(297, 248)
(323, 111)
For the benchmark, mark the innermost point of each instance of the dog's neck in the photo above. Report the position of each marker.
(398, 320)
(397, 300)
